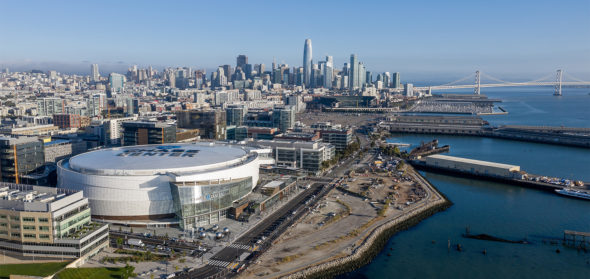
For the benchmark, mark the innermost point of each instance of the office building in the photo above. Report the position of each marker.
(409, 90)
(395, 81)
(211, 123)
(50, 106)
(241, 62)
(48, 222)
(328, 72)
(116, 83)
(353, 78)
(141, 133)
(235, 114)
(283, 117)
(19, 156)
(299, 154)
(94, 74)
(307, 60)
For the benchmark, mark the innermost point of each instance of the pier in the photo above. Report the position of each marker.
(569, 238)
(476, 126)
(497, 172)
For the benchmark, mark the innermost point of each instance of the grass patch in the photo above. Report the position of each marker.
(134, 256)
(96, 273)
(34, 269)
(289, 258)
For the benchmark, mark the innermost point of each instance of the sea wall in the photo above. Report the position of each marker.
(374, 243)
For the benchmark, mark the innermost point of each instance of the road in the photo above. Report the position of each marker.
(269, 228)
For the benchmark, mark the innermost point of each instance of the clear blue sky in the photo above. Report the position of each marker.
(420, 38)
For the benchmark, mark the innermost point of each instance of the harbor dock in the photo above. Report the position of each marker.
(503, 173)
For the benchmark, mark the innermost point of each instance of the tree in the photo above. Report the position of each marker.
(119, 242)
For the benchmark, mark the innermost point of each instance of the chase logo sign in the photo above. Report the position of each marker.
(164, 150)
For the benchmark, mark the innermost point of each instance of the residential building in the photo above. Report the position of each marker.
(50, 106)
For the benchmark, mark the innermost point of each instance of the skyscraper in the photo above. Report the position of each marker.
(307, 62)
(116, 83)
(395, 80)
(241, 61)
(353, 77)
(329, 72)
(94, 74)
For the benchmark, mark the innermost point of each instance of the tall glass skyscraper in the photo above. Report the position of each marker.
(353, 77)
(94, 74)
(307, 63)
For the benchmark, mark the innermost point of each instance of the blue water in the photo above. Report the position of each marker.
(497, 209)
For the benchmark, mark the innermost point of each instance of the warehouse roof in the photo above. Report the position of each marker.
(473, 162)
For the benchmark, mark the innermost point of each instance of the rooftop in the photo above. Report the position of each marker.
(472, 161)
(160, 158)
(33, 198)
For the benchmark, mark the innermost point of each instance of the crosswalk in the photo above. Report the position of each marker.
(218, 263)
(240, 246)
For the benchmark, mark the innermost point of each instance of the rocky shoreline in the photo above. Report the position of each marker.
(374, 243)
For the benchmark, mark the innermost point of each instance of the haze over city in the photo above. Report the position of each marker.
(294, 139)
(423, 39)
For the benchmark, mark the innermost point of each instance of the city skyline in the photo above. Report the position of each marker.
(431, 38)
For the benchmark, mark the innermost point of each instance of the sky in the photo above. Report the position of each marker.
(442, 40)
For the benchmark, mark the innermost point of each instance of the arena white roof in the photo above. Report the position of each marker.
(146, 159)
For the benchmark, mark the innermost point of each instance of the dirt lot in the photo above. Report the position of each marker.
(338, 223)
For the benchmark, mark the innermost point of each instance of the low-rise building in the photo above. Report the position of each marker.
(48, 222)
(308, 156)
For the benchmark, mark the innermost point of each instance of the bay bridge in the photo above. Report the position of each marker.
(557, 80)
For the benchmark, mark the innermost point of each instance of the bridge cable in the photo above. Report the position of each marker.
(494, 79)
(573, 78)
(459, 80)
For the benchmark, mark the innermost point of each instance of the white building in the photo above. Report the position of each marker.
(164, 184)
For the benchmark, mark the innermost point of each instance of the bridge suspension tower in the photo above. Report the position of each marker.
(477, 83)
(558, 83)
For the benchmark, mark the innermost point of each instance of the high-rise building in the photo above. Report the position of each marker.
(228, 71)
(395, 80)
(50, 106)
(221, 78)
(19, 156)
(241, 61)
(116, 83)
(353, 78)
(222, 97)
(235, 114)
(283, 117)
(386, 79)
(307, 60)
(96, 104)
(211, 123)
(328, 72)
(94, 74)
(409, 90)
(368, 78)
(141, 133)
